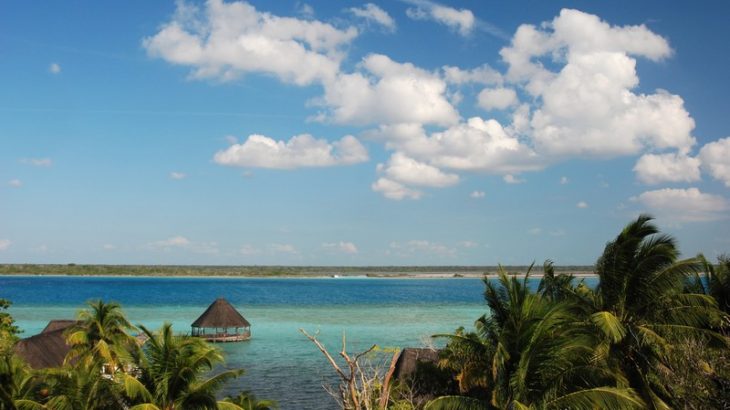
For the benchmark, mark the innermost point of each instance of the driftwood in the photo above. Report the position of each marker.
(356, 385)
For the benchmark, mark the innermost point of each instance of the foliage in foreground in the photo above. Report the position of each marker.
(628, 343)
(107, 369)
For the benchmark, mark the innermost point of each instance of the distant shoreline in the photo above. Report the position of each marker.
(284, 272)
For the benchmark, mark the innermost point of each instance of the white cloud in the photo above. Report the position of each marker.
(511, 179)
(715, 158)
(408, 171)
(225, 40)
(5, 244)
(654, 169)
(178, 175)
(393, 190)
(108, 247)
(686, 205)
(15, 183)
(183, 243)
(484, 75)
(305, 10)
(497, 98)
(37, 162)
(564, 180)
(54, 68)
(475, 145)
(300, 151)
(582, 205)
(387, 92)
(588, 106)
(462, 20)
(535, 231)
(372, 13)
(410, 248)
(477, 194)
(468, 244)
(344, 247)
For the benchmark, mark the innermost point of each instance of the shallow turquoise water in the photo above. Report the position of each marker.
(280, 362)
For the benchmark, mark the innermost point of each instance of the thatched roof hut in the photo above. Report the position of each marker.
(409, 359)
(221, 322)
(48, 348)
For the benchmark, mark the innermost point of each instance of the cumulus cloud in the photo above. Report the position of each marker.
(54, 68)
(371, 13)
(178, 175)
(511, 179)
(477, 194)
(387, 92)
(715, 158)
(15, 183)
(582, 205)
(394, 190)
(5, 244)
(300, 151)
(226, 40)
(564, 180)
(658, 168)
(344, 247)
(497, 98)
(484, 74)
(108, 247)
(408, 171)
(588, 106)
(686, 205)
(460, 20)
(474, 145)
(37, 162)
(535, 231)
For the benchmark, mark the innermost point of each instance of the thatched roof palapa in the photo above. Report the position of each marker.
(409, 359)
(48, 348)
(221, 314)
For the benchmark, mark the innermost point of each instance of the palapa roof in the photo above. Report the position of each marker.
(221, 314)
(409, 358)
(58, 324)
(46, 349)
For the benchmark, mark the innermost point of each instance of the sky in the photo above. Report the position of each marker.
(395, 132)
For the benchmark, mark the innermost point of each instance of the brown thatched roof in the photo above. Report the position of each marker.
(58, 324)
(409, 358)
(221, 314)
(46, 349)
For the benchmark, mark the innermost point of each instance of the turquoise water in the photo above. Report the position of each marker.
(280, 362)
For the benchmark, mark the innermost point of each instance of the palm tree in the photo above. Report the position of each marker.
(17, 384)
(247, 401)
(170, 374)
(78, 387)
(542, 355)
(639, 306)
(101, 335)
(715, 282)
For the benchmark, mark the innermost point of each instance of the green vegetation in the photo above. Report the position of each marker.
(8, 330)
(652, 334)
(257, 271)
(108, 369)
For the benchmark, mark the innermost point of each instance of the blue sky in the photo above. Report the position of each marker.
(387, 133)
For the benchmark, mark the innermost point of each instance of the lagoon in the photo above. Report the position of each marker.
(280, 362)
